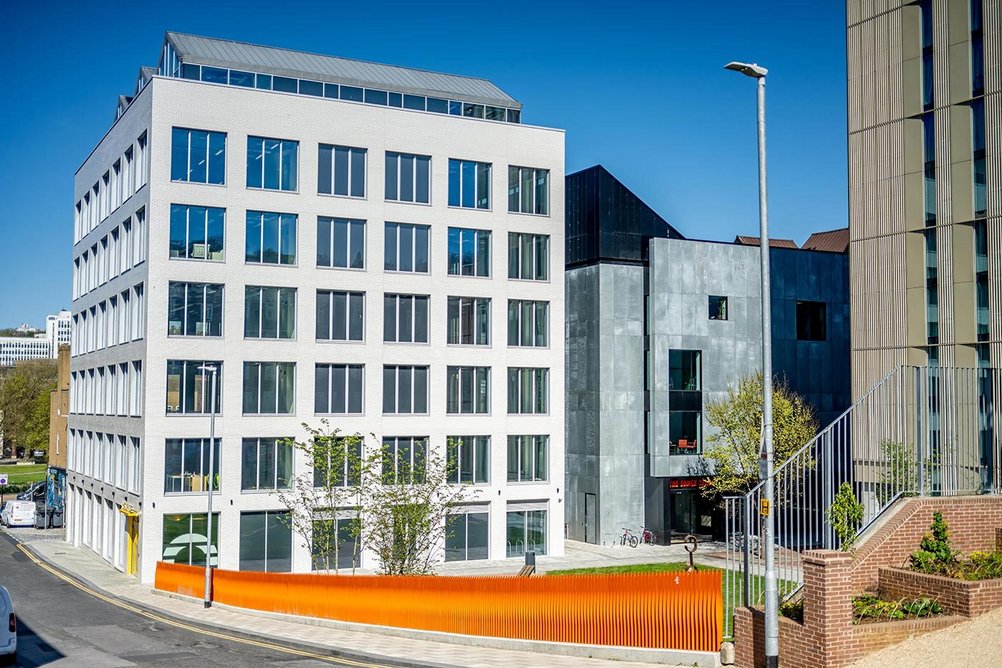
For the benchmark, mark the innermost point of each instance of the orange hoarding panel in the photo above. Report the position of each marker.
(655, 610)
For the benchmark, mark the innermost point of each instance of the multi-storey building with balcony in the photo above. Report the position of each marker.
(375, 245)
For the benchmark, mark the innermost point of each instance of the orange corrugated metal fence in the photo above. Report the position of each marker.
(657, 610)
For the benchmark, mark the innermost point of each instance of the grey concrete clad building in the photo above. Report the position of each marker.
(925, 196)
(659, 326)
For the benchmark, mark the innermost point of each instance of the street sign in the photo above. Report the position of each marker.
(3, 479)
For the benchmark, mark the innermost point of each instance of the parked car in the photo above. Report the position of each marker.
(8, 629)
(18, 514)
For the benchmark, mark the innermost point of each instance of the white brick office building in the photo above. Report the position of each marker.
(346, 240)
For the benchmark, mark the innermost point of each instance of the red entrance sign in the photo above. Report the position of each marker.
(686, 483)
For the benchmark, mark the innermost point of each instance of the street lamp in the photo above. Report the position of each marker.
(210, 368)
(768, 510)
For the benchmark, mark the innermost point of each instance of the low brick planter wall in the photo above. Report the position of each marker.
(870, 637)
(962, 597)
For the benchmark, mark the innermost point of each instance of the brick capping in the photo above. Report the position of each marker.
(827, 638)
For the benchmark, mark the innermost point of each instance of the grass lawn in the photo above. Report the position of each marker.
(758, 581)
(24, 472)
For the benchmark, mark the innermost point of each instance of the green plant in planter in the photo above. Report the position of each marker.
(845, 515)
(935, 556)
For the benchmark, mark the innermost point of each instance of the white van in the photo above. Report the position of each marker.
(18, 514)
(8, 626)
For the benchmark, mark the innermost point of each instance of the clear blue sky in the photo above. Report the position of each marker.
(638, 86)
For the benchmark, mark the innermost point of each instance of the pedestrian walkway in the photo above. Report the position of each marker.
(320, 636)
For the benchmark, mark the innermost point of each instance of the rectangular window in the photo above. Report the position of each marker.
(194, 309)
(469, 321)
(271, 237)
(266, 541)
(469, 252)
(528, 323)
(341, 171)
(189, 386)
(408, 177)
(186, 541)
(269, 313)
(198, 156)
(469, 459)
(469, 184)
(981, 279)
(406, 247)
(405, 390)
(404, 459)
(526, 532)
(718, 308)
(338, 389)
(272, 164)
(340, 315)
(468, 389)
(811, 321)
(186, 465)
(196, 232)
(528, 458)
(466, 536)
(528, 391)
(528, 256)
(334, 544)
(405, 318)
(685, 402)
(269, 388)
(979, 168)
(340, 243)
(266, 463)
(339, 458)
(528, 190)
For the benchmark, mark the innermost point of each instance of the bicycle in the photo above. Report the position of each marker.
(646, 536)
(628, 538)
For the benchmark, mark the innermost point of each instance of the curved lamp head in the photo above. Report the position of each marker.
(749, 70)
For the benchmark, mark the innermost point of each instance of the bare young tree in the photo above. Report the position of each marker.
(332, 484)
(405, 508)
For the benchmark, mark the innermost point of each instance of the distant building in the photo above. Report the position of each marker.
(19, 348)
(58, 328)
(658, 327)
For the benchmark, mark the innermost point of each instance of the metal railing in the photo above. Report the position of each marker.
(918, 431)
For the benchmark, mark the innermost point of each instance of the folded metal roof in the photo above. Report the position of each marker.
(285, 62)
(832, 241)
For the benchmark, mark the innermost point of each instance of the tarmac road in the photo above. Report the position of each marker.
(61, 623)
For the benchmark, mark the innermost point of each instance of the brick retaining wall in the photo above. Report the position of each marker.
(974, 522)
(828, 638)
(969, 598)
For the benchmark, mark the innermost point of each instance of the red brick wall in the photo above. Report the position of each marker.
(973, 522)
(828, 638)
(961, 597)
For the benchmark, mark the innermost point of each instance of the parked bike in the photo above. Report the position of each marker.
(628, 538)
(646, 536)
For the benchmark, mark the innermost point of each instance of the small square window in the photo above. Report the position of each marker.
(811, 321)
(718, 307)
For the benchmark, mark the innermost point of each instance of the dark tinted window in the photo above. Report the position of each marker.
(811, 321)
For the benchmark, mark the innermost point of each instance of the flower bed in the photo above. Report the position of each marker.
(869, 608)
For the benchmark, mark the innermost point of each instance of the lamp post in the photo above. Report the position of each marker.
(765, 472)
(211, 368)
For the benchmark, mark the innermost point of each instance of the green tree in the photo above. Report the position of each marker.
(845, 515)
(735, 445)
(406, 508)
(319, 499)
(24, 404)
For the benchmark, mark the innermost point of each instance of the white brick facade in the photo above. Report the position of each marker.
(167, 103)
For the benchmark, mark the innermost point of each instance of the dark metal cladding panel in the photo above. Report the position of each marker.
(606, 221)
